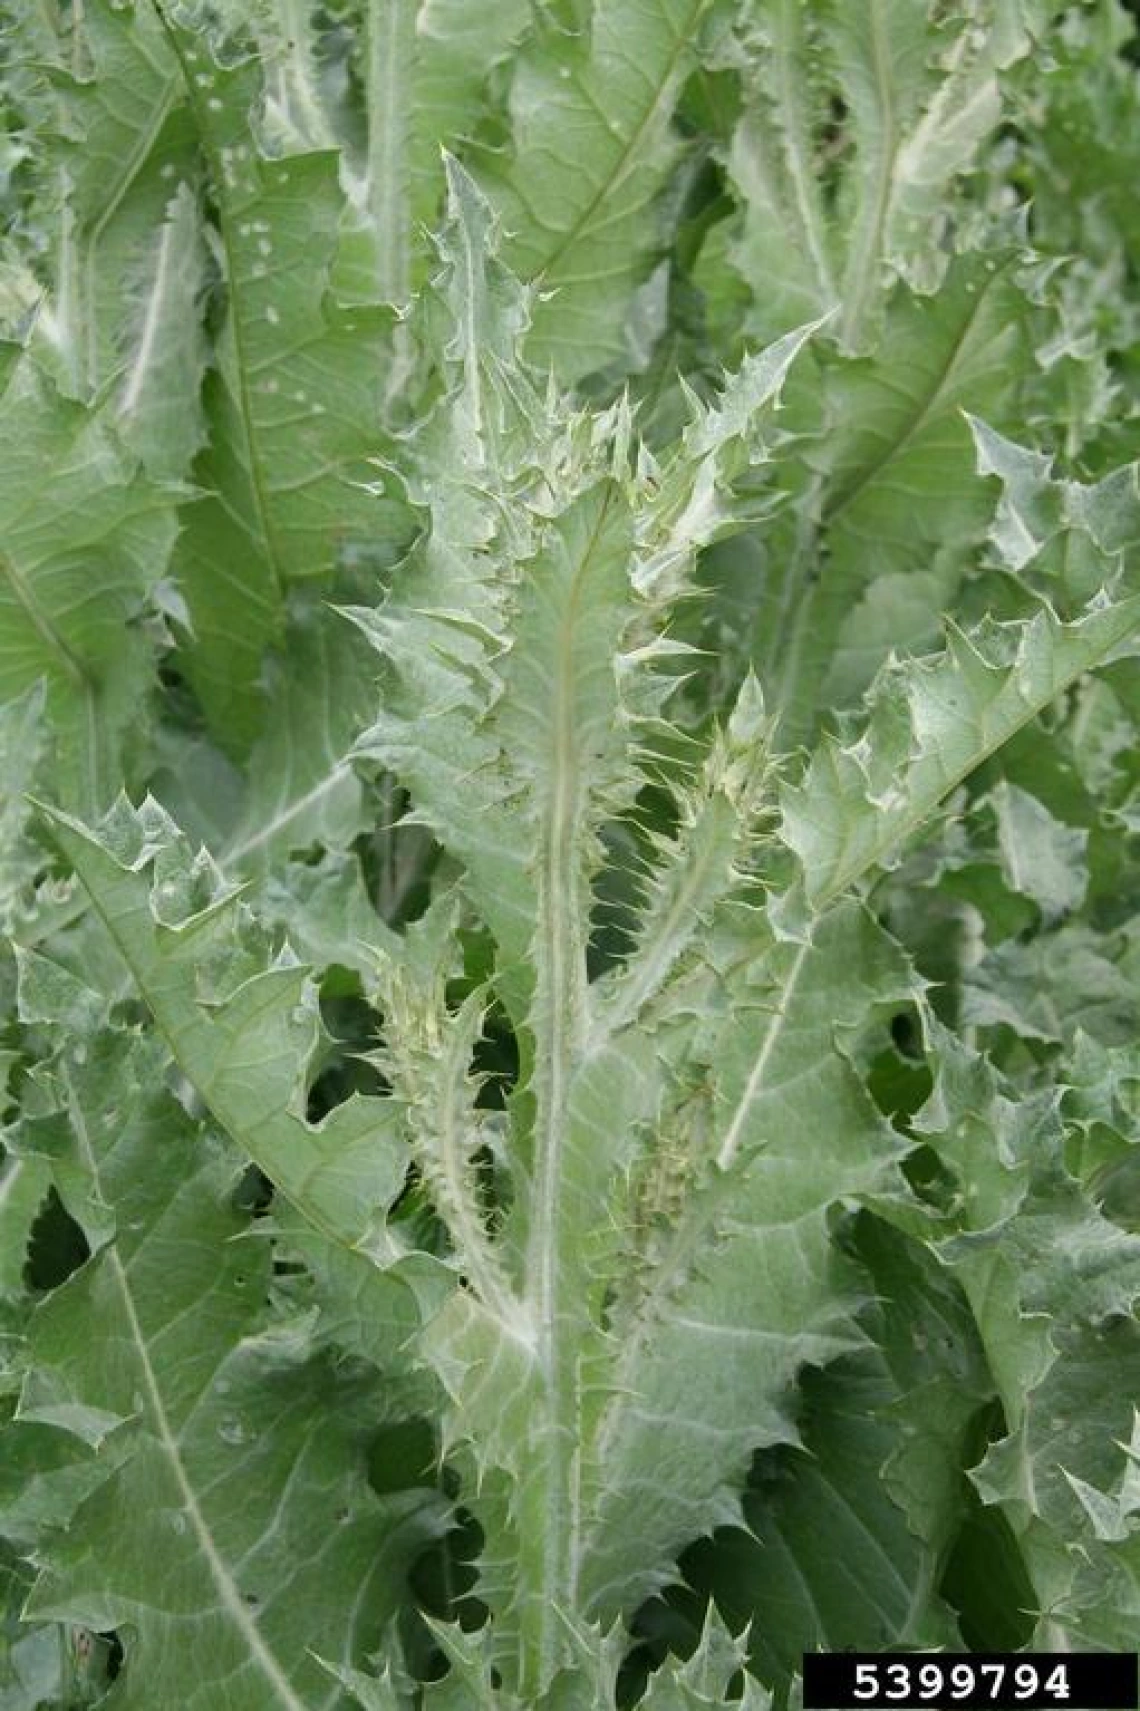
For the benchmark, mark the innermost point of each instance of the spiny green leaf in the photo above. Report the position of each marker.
(673, 1191)
(425, 75)
(243, 1027)
(920, 93)
(738, 1282)
(704, 1678)
(886, 507)
(1096, 522)
(931, 723)
(293, 407)
(592, 149)
(196, 1541)
(107, 523)
(1053, 1284)
(115, 142)
(859, 1520)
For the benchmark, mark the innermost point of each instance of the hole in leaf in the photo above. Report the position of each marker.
(129, 1013)
(115, 1655)
(985, 1578)
(351, 1024)
(905, 1034)
(496, 1057)
(253, 1194)
(97, 1658)
(929, 1177)
(441, 1580)
(415, 1212)
(899, 1085)
(169, 675)
(443, 1576)
(397, 860)
(57, 1246)
(403, 1455)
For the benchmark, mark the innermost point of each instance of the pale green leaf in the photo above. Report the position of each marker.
(1053, 1284)
(293, 406)
(301, 787)
(106, 524)
(733, 1282)
(243, 1027)
(1087, 525)
(705, 1678)
(24, 1183)
(920, 94)
(887, 505)
(592, 149)
(239, 1528)
(1041, 857)
(848, 1536)
(22, 753)
(115, 143)
(158, 407)
(1052, 985)
(931, 723)
(425, 70)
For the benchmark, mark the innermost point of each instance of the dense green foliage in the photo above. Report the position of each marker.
(570, 751)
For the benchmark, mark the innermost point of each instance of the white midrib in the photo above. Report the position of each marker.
(866, 252)
(689, 1233)
(132, 392)
(14, 1169)
(387, 170)
(803, 181)
(269, 829)
(564, 959)
(229, 1597)
(546, 1254)
(132, 166)
(298, 75)
(471, 371)
(69, 297)
(948, 104)
(561, 936)
(755, 1082)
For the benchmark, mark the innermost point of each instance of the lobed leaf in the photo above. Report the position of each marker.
(239, 1521)
(107, 523)
(240, 1023)
(293, 405)
(592, 150)
(930, 724)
